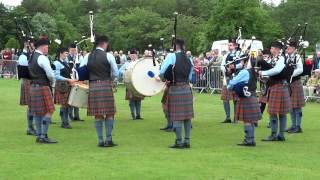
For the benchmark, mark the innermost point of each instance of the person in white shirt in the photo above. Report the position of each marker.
(297, 95)
(41, 101)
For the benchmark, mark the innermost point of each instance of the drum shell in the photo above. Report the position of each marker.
(140, 69)
(79, 96)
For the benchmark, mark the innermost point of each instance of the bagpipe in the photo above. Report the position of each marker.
(302, 44)
(169, 74)
(25, 36)
(83, 73)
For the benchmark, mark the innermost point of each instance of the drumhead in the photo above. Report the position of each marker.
(143, 77)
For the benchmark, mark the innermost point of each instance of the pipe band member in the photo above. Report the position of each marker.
(227, 95)
(74, 112)
(134, 100)
(63, 85)
(248, 111)
(41, 100)
(177, 68)
(24, 75)
(279, 103)
(297, 95)
(102, 70)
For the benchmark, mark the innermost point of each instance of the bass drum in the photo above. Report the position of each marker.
(79, 96)
(140, 75)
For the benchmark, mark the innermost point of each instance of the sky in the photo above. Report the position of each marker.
(18, 2)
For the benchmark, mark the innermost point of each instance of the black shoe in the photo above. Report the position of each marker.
(186, 145)
(245, 143)
(31, 132)
(298, 130)
(110, 144)
(139, 118)
(227, 121)
(290, 130)
(165, 128)
(255, 124)
(279, 138)
(77, 119)
(101, 144)
(48, 141)
(271, 138)
(170, 129)
(177, 146)
(66, 126)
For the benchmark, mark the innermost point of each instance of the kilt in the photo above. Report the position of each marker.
(263, 98)
(25, 92)
(297, 95)
(100, 99)
(248, 110)
(41, 101)
(61, 93)
(130, 96)
(279, 99)
(180, 102)
(228, 95)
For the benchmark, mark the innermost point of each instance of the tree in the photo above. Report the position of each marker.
(228, 15)
(12, 43)
(294, 12)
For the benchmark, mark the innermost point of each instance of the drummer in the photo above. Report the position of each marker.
(134, 101)
(177, 69)
(102, 69)
(63, 85)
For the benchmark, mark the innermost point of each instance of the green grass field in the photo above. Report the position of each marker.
(142, 152)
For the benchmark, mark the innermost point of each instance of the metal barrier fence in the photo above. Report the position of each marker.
(8, 68)
(206, 79)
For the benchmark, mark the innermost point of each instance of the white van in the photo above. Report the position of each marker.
(222, 45)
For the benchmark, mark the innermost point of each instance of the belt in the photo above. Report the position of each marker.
(40, 83)
(99, 80)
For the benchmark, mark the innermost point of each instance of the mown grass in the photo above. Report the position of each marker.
(142, 152)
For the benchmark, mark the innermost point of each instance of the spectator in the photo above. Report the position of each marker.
(123, 57)
(312, 84)
(189, 55)
(217, 58)
(316, 61)
(308, 66)
(7, 55)
(117, 57)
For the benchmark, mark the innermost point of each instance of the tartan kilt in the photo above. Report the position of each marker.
(228, 95)
(263, 98)
(297, 95)
(41, 101)
(61, 95)
(279, 99)
(164, 101)
(100, 99)
(25, 92)
(180, 102)
(130, 96)
(248, 110)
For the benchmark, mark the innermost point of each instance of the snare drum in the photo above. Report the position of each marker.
(79, 96)
(140, 75)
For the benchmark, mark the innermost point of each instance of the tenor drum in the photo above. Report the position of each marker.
(140, 75)
(79, 96)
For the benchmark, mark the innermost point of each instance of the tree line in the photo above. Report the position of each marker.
(137, 23)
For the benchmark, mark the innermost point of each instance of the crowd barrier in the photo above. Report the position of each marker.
(8, 68)
(206, 78)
